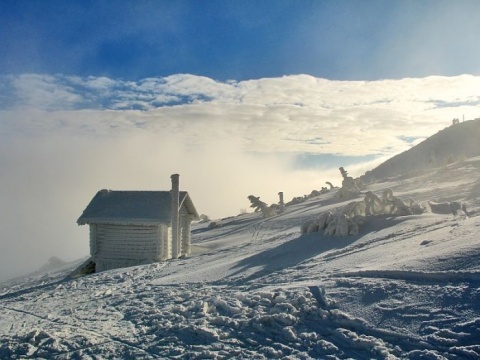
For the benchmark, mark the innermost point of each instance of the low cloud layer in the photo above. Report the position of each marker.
(289, 114)
(63, 138)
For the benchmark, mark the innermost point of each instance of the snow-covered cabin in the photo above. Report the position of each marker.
(129, 228)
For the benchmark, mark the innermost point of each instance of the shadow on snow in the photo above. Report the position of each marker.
(290, 253)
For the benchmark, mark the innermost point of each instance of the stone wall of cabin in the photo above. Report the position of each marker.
(115, 246)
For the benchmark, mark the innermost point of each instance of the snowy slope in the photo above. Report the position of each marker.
(454, 143)
(405, 287)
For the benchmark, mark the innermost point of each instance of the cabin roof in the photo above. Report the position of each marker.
(133, 208)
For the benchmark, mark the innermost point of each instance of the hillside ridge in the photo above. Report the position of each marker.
(454, 143)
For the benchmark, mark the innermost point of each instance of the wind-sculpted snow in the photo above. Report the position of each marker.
(124, 316)
(440, 313)
(405, 287)
(138, 321)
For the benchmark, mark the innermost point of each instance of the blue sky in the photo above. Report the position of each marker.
(346, 40)
(238, 97)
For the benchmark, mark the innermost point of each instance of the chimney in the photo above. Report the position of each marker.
(175, 192)
(281, 203)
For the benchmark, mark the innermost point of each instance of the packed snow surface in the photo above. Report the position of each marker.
(406, 287)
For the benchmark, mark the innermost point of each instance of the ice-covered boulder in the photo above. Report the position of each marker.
(447, 207)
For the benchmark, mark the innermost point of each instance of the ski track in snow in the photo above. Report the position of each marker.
(404, 288)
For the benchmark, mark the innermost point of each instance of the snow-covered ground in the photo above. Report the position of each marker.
(405, 287)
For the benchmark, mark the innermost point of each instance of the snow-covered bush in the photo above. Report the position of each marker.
(333, 224)
(204, 218)
(350, 187)
(348, 220)
(214, 225)
(258, 205)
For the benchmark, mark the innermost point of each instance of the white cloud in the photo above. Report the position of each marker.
(45, 92)
(292, 114)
